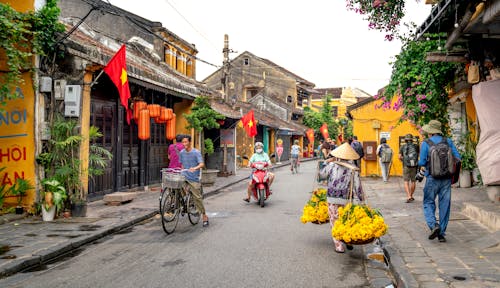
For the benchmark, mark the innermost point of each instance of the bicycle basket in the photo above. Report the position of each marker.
(172, 180)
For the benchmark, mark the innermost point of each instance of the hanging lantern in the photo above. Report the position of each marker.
(170, 128)
(170, 114)
(138, 106)
(144, 124)
(165, 114)
(158, 120)
(221, 121)
(154, 110)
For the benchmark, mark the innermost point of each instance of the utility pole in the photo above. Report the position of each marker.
(225, 70)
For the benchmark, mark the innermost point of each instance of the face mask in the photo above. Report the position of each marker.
(258, 150)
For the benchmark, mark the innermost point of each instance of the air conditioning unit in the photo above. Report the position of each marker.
(59, 89)
(72, 99)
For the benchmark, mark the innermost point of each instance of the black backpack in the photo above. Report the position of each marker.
(441, 160)
(410, 155)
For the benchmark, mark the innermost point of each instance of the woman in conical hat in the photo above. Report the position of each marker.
(340, 171)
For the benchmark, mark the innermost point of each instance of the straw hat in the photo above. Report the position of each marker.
(345, 152)
(433, 127)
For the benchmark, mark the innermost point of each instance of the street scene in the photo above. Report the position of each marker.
(185, 144)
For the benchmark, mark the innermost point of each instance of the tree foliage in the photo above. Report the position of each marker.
(315, 119)
(420, 87)
(23, 35)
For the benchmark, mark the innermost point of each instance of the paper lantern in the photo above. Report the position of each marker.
(165, 114)
(170, 128)
(138, 106)
(154, 110)
(144, 125)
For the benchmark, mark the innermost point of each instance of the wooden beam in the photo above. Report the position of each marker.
(443, 57)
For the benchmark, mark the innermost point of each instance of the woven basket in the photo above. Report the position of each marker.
(361, 242)
(174, 181)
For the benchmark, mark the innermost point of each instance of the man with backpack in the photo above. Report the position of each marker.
(358, 147)
(408, 153)
(437, 157)
(384, 152)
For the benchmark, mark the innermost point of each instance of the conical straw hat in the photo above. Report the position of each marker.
(345, 151)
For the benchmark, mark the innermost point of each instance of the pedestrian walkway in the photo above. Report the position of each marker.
(469, 258)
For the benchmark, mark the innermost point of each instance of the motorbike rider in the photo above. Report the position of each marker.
(258, 156)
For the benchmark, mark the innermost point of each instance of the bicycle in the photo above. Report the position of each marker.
(295, 165)
(175, 199)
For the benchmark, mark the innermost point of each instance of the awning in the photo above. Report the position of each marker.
(158, 88)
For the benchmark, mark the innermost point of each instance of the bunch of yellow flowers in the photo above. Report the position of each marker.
(316, 209)
(358, 224)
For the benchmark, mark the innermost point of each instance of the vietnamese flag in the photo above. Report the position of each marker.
(310, 135)
(117, 72)
(324, 131)
(248, 122)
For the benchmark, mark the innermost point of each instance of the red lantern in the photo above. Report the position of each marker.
(170, 114)
(220, 121)
(170, 128)
(165, 114)
(144, 124)
(138, 106)
(154, 110)
(158, 120)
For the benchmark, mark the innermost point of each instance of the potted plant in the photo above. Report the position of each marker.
(468, 159)
(61, 160)
(203, 117)
(19, 189)
(53, 196)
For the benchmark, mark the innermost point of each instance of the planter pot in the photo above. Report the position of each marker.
(465, 179)
(208, 177)
(79, 209)
(48, 215)
(19, 210)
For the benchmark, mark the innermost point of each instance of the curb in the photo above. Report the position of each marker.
(52, 253)
(403, 277)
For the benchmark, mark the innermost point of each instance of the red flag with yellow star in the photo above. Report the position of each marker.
(117, 72)
(248, 122)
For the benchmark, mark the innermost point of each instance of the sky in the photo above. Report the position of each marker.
(318, 40)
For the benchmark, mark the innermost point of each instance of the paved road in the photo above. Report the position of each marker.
(245, 246)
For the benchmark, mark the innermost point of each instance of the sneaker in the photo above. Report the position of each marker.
(434, 233)
(441, 238)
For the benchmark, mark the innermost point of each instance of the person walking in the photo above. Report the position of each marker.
(174, 151)
(295, 152)
(340, 172)
(192, 160)
(408, 154)
(384, 152)
(435, 186)
(358, 147)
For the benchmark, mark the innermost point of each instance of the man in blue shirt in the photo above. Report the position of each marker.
(433, 188)
(191, 160)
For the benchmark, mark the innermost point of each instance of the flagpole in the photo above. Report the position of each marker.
(95, 80)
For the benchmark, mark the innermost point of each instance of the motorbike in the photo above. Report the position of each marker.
(260, 181)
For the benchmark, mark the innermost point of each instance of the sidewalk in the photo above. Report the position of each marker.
(28, 241)
(469, 258)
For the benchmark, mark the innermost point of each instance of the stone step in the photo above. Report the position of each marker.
(487, 213)
(118, 198)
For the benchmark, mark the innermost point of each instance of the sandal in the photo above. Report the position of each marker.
(205, 223)
(339, 247)
(246, 200)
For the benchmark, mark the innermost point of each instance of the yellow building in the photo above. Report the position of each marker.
(341, 98)
(370, 124)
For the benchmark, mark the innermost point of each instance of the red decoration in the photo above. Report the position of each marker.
(170, 128)
(249, 124)
(154, 110)
(144, 125)
(310, 135)
(324, 131)
(138, 106)
(117, 72)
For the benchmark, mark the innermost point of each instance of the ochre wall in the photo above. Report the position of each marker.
(363, 119)
(17, 134)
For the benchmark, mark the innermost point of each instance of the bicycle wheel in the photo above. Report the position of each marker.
(169, 210)
(193, 213)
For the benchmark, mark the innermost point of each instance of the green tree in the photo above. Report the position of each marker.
(315, 119)
(203, 117)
